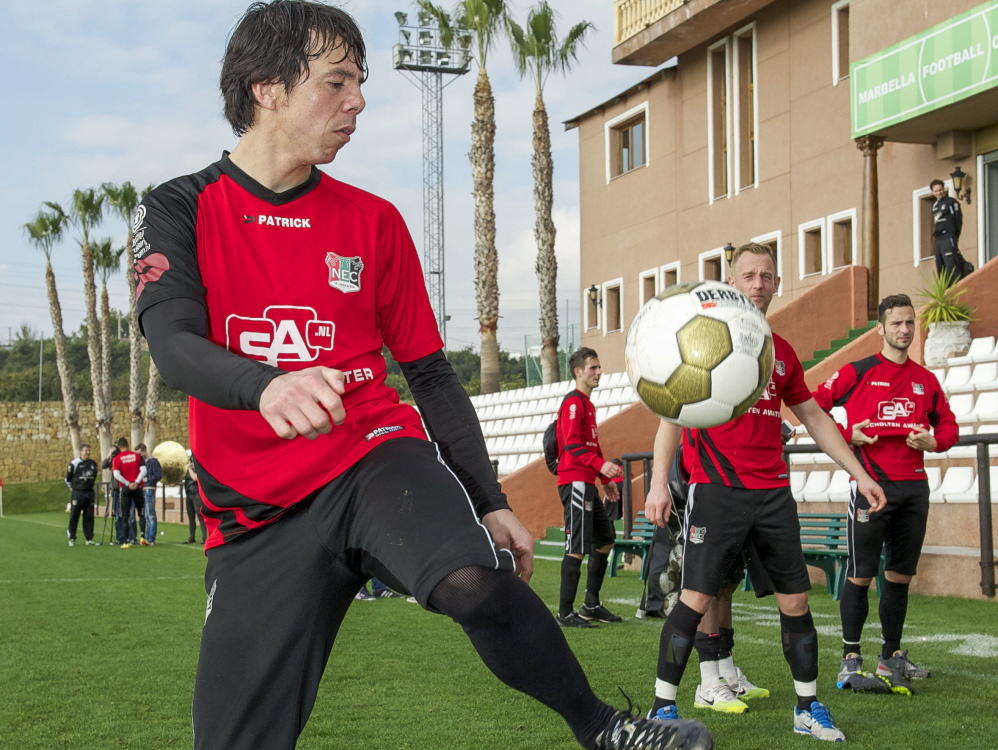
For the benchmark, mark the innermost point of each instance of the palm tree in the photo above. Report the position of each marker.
(123, 200)
(87, 213)
(43, 232)
(484, 19)
(538, 52)
(106, 261)
(152, 405)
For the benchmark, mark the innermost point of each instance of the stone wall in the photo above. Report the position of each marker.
(34, 440)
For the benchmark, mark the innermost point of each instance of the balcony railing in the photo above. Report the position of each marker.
(632, 16)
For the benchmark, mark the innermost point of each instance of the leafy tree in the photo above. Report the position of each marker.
(43, 232)
(537, 52)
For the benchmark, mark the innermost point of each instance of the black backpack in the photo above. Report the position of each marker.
(550, 445)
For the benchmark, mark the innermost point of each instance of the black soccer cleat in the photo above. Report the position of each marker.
(572, 620)
(628, 732)
(597, 612)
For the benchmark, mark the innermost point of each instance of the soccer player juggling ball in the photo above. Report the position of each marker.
(267, 290)
(739, 492)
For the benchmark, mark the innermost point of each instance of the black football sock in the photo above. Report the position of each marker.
(854, 608)
(516, 637)
(800, 649)
(674, 648)
(571, 569)
(594, 578)
(893, 612)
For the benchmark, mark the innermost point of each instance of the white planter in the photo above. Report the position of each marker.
(946, 340)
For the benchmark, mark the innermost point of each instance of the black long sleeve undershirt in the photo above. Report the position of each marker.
(176, 330)
(454, 427)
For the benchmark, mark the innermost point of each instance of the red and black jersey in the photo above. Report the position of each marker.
(129, 465)
(322, 274)
(896, 399)
(580, 457)
(747, 452)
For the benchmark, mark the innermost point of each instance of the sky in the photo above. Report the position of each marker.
(116, 90)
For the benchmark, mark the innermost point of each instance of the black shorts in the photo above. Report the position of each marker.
(277, 595)
(900, 525)
(720, 521)
(587, 526)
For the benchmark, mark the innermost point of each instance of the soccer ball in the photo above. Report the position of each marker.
(699, 354)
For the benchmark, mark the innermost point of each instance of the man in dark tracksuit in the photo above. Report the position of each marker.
(947, 221)
(80, 478)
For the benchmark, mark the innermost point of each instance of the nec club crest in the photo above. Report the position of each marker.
(284, 333)
(344, 272)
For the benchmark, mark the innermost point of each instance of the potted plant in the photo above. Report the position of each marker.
(947, 318)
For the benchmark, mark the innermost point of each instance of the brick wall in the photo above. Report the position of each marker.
(34, 440)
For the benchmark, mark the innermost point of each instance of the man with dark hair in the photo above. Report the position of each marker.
(267, 292)
(739, 492)
(129, 472)
(80, 477)
(947, 221)
(588, 530)
(154, 473)
(895, 411)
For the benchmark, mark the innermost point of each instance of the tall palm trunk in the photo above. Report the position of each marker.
(65, 379)
(101, 418)
(136, 345)
(544, 232)
(482, 156)
(105, 359)
(152, 405)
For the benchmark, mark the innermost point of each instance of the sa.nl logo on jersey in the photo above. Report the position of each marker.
(285, 333)
(896, 408)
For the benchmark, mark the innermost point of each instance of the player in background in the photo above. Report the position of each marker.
(739, 492)
(267, 292)
(80, 478)
(895, 411)
(588, 530)
(129, 471)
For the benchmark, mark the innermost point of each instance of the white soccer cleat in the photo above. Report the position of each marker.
(719, 698)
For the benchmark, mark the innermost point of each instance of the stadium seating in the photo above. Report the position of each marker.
(513, 421)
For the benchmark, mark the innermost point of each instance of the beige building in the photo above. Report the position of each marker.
(793, 123)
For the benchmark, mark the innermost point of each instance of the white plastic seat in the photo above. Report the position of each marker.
(958, 380)
(601, 412)
(802, 458)
(985, 409)
(816, 486)
(985, 377)
(940, 374)
(957, 483)
(839, 490)
(980, 350)
(933, 475)
(962, 405)
(601, 396)
(797, 480)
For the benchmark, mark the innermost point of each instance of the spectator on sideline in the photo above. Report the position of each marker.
(80, 477)
(192, 501)
(129, 473)
(947, 222)
(154, 473)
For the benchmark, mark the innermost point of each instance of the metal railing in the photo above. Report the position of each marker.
(633, 16)
(982, 441)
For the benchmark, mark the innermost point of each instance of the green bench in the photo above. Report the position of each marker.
(639, 542)
(824, 539)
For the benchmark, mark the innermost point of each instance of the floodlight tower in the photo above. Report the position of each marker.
(423, 58)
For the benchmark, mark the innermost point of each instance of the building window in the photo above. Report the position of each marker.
(613, 306)
(712, 265)
(746, 121)
(717, 120)
(647, 285)
(840, 41)
(774, 241)
(922, 224)
(669, 275)
(811, 248)
(842, 240)
(627, 141)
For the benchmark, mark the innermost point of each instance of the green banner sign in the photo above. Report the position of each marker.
(949, 62)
